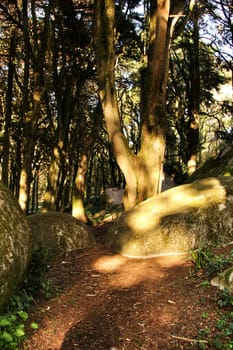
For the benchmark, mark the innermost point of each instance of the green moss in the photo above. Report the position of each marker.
(58, 233)
(15, 244)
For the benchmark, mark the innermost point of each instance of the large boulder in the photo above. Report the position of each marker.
(57, 233)
(15, 245)
(176, 220)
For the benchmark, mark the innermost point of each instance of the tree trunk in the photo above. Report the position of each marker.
(142, 171)
(6, 141)
(153, 112)
(105, 58)
(63, 83)
(78, 210)
(194, 98)
(25, 174)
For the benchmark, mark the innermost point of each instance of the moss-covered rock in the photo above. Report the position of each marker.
(15, 245)
(176, 220)
(57, 233)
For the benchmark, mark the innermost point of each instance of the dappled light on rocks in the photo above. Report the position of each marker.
(175, 221)
(177, 200)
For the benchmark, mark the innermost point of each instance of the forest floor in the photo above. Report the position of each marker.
(108, 302)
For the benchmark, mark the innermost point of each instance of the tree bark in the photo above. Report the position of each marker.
(154, 114)
(78, 210)
(194, 98)
(6, 141)
(25, 173)
(142, 171)
(105, 57)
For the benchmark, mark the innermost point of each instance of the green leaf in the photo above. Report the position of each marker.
(23, 315)
(4, 321)
(7, 337)
(205, 283)
(34, 325)
(19, 333)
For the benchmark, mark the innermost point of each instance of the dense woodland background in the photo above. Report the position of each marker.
(55, 147)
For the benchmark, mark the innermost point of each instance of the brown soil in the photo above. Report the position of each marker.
(107, 301)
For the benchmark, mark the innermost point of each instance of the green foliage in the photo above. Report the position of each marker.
(36, 280)
(222, 336)
(199, 257)
(204, 259)
(14, 317)
(12, 324)
(225, 299)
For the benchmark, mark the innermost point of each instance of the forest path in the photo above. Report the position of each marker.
(107, 301)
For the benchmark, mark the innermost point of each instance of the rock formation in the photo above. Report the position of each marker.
(176, 220)
(224, 280)
(57, 233)
(15, 245)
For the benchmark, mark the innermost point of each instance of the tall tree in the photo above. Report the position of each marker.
(71, 66)
(9, 96)
(195, 73)
(26, 116)
(143, 170)
(194, 96)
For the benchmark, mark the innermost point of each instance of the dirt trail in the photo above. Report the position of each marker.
(107, 301)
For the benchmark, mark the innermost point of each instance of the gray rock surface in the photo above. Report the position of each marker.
(15, 245)
(224, 280)
(57, 233)
(176, 220)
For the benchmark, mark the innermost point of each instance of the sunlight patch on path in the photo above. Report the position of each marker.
(129, 272)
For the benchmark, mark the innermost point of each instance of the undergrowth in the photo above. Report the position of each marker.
(14, 316)
(212, 264)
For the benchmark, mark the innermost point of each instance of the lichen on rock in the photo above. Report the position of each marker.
(15, 244)
(57, 233)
